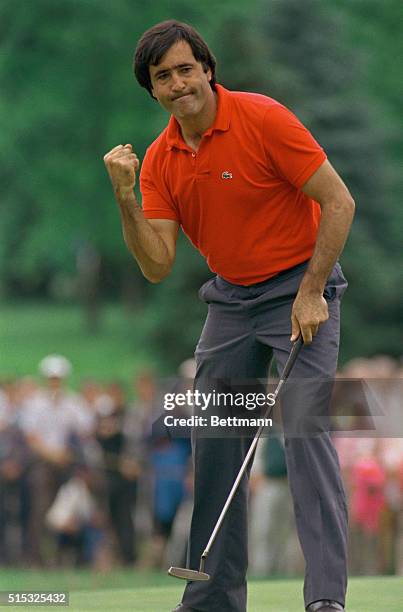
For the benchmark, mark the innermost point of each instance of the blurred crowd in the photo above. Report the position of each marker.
(367, 430)
(86, 479)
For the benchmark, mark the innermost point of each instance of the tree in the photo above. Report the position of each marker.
(308, 63)
(69, 95)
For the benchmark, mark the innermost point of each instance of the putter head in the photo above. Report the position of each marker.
(187, 574)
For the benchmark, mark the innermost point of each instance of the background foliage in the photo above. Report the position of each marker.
(68, 95)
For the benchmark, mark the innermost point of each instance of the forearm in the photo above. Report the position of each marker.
(144, 243)
(333, 230)
(152, 246)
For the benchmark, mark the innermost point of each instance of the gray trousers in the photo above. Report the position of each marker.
(244, 329)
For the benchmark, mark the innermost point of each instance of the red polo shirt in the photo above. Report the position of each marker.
(239, 198)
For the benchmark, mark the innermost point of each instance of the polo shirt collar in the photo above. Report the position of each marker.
(221, 122)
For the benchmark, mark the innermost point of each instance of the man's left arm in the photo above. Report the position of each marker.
(310, 307)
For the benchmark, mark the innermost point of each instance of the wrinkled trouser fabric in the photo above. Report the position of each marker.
(244, 329)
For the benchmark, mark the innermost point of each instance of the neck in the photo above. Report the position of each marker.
(193, 128)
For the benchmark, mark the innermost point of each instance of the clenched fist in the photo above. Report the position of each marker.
(122, 164)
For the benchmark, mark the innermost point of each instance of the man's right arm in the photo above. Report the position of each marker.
(152, 242)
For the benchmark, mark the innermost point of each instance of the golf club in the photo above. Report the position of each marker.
(188, 574)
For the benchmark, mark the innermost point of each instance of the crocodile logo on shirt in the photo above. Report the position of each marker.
(226, 174)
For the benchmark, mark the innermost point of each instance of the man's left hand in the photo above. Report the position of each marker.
(308, 312)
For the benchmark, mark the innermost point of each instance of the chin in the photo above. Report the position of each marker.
(190, 112)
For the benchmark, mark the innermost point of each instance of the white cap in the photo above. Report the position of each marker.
(55, 366)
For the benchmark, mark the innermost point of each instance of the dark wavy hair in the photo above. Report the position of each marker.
(156, 41)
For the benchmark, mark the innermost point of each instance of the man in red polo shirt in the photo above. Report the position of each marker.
(254, 192)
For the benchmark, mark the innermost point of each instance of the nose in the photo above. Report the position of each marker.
(177, 82)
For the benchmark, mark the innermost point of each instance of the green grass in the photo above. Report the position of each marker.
(29, 331)
(144, 592)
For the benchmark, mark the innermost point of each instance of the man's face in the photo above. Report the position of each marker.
(180, 83)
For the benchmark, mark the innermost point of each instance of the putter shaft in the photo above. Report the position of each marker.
(287, 369)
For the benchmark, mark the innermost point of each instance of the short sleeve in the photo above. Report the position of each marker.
(156, 200)
(292, 149)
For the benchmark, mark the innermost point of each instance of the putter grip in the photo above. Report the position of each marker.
(293, 355)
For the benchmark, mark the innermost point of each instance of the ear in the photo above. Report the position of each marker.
(151, 83)
(152, 91)
(208, 73)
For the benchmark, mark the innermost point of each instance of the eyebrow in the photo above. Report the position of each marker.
(164, 70)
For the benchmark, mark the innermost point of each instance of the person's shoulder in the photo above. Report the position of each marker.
(159, 141)
(248, 101)
(261, 106)
(154, 156)
(158, 146)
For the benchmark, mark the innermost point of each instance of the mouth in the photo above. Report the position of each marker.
(182, 97)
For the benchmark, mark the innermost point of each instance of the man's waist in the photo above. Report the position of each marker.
(298, 268)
